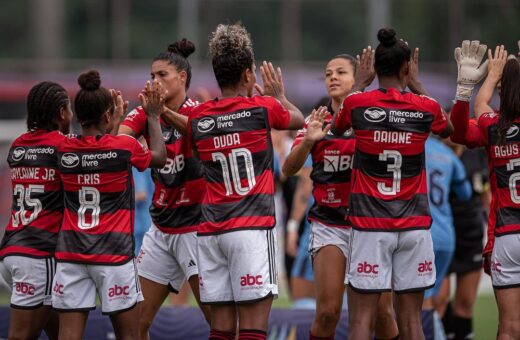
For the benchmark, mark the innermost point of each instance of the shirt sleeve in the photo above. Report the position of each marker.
(299, 136)
(342, 120)
(136, 120)
(466, 131)
(279, 116)
(141, 156)
(440, 120)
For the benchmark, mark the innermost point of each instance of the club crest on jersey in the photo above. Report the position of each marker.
(375, 114)
(18, 154)
(206, 124)
(512, 131)
(69, 160)
(348, 132)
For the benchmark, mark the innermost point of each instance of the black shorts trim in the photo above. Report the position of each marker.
(74, 310)
(506, 233)
(369, 291)
(120, 310)
(391, 230)
(232, 230)
(516, 285)
(170, 288)
(243, 302)
(414, 290)
(218, 303)
(28, 307)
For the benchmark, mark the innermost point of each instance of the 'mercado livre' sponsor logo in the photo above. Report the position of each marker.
(375, 114)
(18, 153)
(206, 124)
(69, 160)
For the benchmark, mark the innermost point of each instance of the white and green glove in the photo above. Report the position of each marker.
(470, 71)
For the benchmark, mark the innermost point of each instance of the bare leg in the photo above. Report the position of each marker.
(409, 315)
(194, 284)
(362, 314)
(154, 295)
(386, 326)
(72, 325)
(508, 313)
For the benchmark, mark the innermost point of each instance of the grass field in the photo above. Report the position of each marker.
(485, 321)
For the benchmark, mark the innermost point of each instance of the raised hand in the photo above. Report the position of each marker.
(365, 72)
(120, 105)
(315, 127)
(414, 84)
(470, 70)
(273, 81)
(496, 64)
(152, 99)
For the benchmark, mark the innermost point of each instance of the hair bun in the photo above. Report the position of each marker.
(386, 37)
(90, 80)
(183, 47)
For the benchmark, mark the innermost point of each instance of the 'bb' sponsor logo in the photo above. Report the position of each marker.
(58, 288)
(24, 288)
(367, 268)
(251, 280)
(18, 154)
(425, 267)
(375, 114)
(69, 160)
(118, 291)
(206, 124)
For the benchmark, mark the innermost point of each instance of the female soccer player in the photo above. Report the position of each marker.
(388, 197)
(30, 238)
(332, 159)
(498, 132)
(95, 250)
(169, 254)
(231, 134)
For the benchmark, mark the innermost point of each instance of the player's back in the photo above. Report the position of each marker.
(233, 141)
(389, 181)
(37, 198)
(99, 198)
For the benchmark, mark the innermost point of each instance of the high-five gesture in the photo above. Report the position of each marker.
(365, 72)
(120, 107)
(152, 99)
(414, 84)
(273, 81)
(316, 130)
(470, 70)
(496, 63)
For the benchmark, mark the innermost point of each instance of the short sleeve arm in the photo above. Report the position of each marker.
(466, 131)
(279, 116)
(440, 120)
(136, 120)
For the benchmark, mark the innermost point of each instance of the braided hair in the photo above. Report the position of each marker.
(44, 102)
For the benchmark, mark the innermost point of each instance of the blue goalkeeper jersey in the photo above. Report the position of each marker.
(445, 173)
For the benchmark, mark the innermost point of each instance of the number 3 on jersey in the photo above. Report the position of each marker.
(231, 171)
(394, 168)
(89, 199)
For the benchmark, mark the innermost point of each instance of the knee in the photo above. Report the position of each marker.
(328, 315)
(509, 327)
(145, 324)
(464, 306)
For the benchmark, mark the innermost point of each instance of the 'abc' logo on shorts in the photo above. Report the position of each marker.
(425, 267)
(118, 291)
(24, 288)
(58, 288)
(18, 154)
(69, 160)
(375, 114)
(367, 268)
(206, 124)
(251, 280)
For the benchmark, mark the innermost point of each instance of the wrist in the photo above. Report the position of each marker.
(292, 225)
(464, 91)
(308, 143)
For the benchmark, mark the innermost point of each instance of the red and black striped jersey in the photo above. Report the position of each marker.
(332, 159)
(179, 185)
(37, 207)
(98, 221)
(233, 141)
(389, 191)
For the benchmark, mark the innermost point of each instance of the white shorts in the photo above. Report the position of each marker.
(75, 286)
(323, 235)
(383, 261)
(505, 262)
(237, 267)
(31, 280)
(168, 259)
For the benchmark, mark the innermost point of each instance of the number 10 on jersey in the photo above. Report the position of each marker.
(231, 170)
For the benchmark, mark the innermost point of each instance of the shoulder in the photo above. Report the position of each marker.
(488, 118)
(138, 111)
(357, 97)
(189, 106)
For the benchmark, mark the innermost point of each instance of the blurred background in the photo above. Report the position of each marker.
(57, 39)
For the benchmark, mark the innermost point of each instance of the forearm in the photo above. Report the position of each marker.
(301, 196)
(294, 162)
(178, 121)
(157, 146)
(297, 120)
(484, 96)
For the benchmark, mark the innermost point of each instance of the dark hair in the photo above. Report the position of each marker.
(231, 52)
(391, 53)
(44, 102)
(92, 100)
(177, 55)
(347, 57)
(509, 98)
